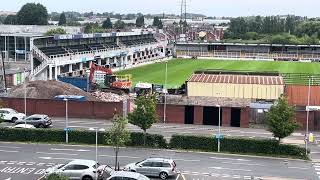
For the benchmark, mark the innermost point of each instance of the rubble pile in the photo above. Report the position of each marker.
(108, 97)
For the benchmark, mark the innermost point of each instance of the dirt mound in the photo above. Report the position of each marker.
(48, 90)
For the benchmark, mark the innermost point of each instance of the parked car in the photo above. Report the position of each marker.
(11, 115)
(37, 120)
(23, 126)
(125, 175)
(81, 169)
(157, 167)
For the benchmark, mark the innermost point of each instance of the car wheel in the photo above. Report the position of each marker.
(41, 126)
(87, 178)
(131, 170)
(163, 175)
(14, 119)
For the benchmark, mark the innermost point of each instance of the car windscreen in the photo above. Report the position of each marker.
(60, 166)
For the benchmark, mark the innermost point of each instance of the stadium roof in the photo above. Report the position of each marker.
(245, 44)
(237, 79)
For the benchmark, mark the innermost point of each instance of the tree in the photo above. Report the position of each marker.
(157, 23)
(118, 135)
(93, 28)
(281, 121)
(144, 115)
(53, 32)
(119, 24)
(62, 20)
(32, 14)
(140, 21)
(11, 19)
(107, 24)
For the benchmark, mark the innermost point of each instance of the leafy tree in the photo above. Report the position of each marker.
(62, 20)
(57, 177)
(119, 24)
(157, 23)
(53, 32)
(118, 135)
(140, 21)
(107, 24)
(11, 19)
(32, 14)
(93, 28)
(281, 121)
(144, 115)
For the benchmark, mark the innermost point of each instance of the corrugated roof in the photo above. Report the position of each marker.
(236, 79)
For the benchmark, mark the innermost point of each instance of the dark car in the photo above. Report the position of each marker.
(37, 120)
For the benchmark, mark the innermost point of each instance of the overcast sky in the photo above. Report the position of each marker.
(207, 7)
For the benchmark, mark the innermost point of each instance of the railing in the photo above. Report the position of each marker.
(44, 59)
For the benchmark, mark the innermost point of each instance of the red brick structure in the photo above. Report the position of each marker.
(198, 115)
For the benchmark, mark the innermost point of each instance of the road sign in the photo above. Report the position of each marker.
(67, 129)
(219, 136)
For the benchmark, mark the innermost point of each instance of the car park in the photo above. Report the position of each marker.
(125, 175)
(155, 167)
(81, 169)
(12, 115)
(37, 120)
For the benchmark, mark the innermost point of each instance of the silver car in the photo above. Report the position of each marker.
(37, 120)
(124, 175)
(157, 167)
(80, 169)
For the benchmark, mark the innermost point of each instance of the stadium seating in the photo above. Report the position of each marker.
(96, 46)
(53, 50)
(78, 48)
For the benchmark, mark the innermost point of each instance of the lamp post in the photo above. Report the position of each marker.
(96, 130)
(307, 123)
(165, 94)
(219, 128)
(25, 98)
(67, 138)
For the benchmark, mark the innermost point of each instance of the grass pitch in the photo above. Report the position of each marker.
(179, 70)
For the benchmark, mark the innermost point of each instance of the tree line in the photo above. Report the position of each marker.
(274, 29)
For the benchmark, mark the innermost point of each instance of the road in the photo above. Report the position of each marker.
(20, 161)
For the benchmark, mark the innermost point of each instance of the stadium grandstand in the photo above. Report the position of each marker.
(70, 55)
(274, 52)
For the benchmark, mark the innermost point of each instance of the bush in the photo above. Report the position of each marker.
(76, 136)
(57, 177)
(238, 145)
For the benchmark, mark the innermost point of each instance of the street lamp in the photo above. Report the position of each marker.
(25, 97)
(67, 129)
(165, 94)
(219, 128)
(96, 130)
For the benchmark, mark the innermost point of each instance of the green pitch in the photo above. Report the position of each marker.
(179, 70)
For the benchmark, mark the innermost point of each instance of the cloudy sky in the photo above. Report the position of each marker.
(208, 7)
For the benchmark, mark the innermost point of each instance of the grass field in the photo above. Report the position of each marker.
(180, 70)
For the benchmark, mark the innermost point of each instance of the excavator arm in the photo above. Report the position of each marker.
(95, 67)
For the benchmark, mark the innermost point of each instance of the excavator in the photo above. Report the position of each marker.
(113, 83)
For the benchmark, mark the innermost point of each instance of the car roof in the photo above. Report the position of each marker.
(160, 159)
(7, 109)
(83, 162)
(38, 115)
(126, 174)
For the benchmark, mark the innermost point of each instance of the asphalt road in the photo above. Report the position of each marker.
(28, 161)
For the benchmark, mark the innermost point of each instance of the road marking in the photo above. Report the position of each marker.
(318, 173)
(246, 177)
(298, 168)
(183, 177)
(187, 160)
(178, 177)
(77, 150)
(47, 158)
(236, 176)
(229, 159)
(242, 164)
(8, 151)
(132, 157)
(317, 169)
(10, 147)
(221, 168)
(68, 154)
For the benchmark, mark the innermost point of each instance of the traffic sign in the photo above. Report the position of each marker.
(67, 129)
(219, 136)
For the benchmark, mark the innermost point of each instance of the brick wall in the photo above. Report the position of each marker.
(174, 113)
(198, 115)
(244, 119)
(226, 116)
(301, 117)
(56, 108)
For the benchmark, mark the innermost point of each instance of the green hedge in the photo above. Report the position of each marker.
(238, 145)
(76, 136)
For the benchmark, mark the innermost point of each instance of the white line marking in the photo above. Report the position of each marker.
(187, 160)
(221, 168)
(317, 169)
(9, 151)
(132, 157)
(178, 177)
(11, 147)
(247, 177)
(229, 159)
(47, 158)
(236, 176)
(318, 173)
(77, 150)
(242, 164)
(298, 168)
(57, 153)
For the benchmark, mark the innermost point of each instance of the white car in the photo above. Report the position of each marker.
(24, 126)
(80, 169)
(11, 115)
(125, 175)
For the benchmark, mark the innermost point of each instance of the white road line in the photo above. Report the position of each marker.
(221, 168)
(246, 177)
(236, 176)
(10, 147)
(317, 169)
(9, 151)
(47, 158)
(131, 157)
(246, 164)
(77, 150)
(225, 175)
(318, 173)
(178, 177)
(187, 160)
(229, 159)
(298, 168)
(68, 154)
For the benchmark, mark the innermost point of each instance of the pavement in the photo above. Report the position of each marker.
(20, 161)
